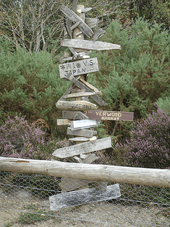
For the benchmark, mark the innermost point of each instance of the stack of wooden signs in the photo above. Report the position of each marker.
(79, 113)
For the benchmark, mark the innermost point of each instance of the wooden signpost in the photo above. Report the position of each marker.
(81, 85)
(71, 15)
(80, 114)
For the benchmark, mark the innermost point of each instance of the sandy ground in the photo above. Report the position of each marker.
(96, 214)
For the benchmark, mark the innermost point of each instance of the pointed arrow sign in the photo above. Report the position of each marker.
(89, 44)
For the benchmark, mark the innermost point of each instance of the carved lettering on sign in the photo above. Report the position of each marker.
(109, 115)
(78, 67)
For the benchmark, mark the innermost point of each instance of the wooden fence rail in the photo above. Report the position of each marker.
(96, 172)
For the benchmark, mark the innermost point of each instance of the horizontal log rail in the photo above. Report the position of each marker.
(96, 172)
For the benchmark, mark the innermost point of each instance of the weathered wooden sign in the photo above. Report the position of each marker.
(89, 85)
(80, 85)
(78, 67)
(81, 94)
(82, 148)
(92, 22)
(90, 158)
(70, 184)
(81, 124)
(77, 20)
(75, 115)
(89, 44)
(97, 34)
(82, 132)
(79, 139)
(109, 115)
(75, 105)
(84, 10)
(63, 121)
(79, 197)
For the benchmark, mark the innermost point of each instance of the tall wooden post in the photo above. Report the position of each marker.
(79, 114)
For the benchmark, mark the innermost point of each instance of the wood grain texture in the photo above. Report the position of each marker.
(82, 148)
(75, 105)
(92, 22)
(97, 34)
(70, 184)
(83, 196)
(75, 115)
(81, 124)
(82, 132)
(79, 139)
(89, 85)
(81, 94)
(71, 15)
(107, 173)
(89, 44)
(63, 121)
(80, 85)
(78, 67)
(110, 115)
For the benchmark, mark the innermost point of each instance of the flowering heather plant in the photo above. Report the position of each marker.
(21, 140)
(149, 145)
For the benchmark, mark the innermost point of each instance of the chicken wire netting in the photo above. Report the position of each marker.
(25, 202)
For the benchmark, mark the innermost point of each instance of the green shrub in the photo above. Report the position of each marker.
(133, 78)
(164, 104)
(30, 85)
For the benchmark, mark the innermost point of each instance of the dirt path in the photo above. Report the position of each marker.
(97, 214)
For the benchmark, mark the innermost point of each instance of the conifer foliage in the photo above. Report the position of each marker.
(135, 77)
(29, 85)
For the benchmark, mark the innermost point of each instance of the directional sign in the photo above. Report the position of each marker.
(88, 195)
(81, 124)
(82, 148)
(81, 94)
(75, 105)
(89, 44)
(109, 115)
(78, 67)
(82, 132)
(76, 115)
(92, 22)
(63, 121)
(80, 85)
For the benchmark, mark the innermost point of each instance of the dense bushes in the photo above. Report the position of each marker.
(21, 140)
(133, 78)
(29, 84)
(149, 145)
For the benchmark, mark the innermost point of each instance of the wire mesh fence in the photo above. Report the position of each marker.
(25, 202)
